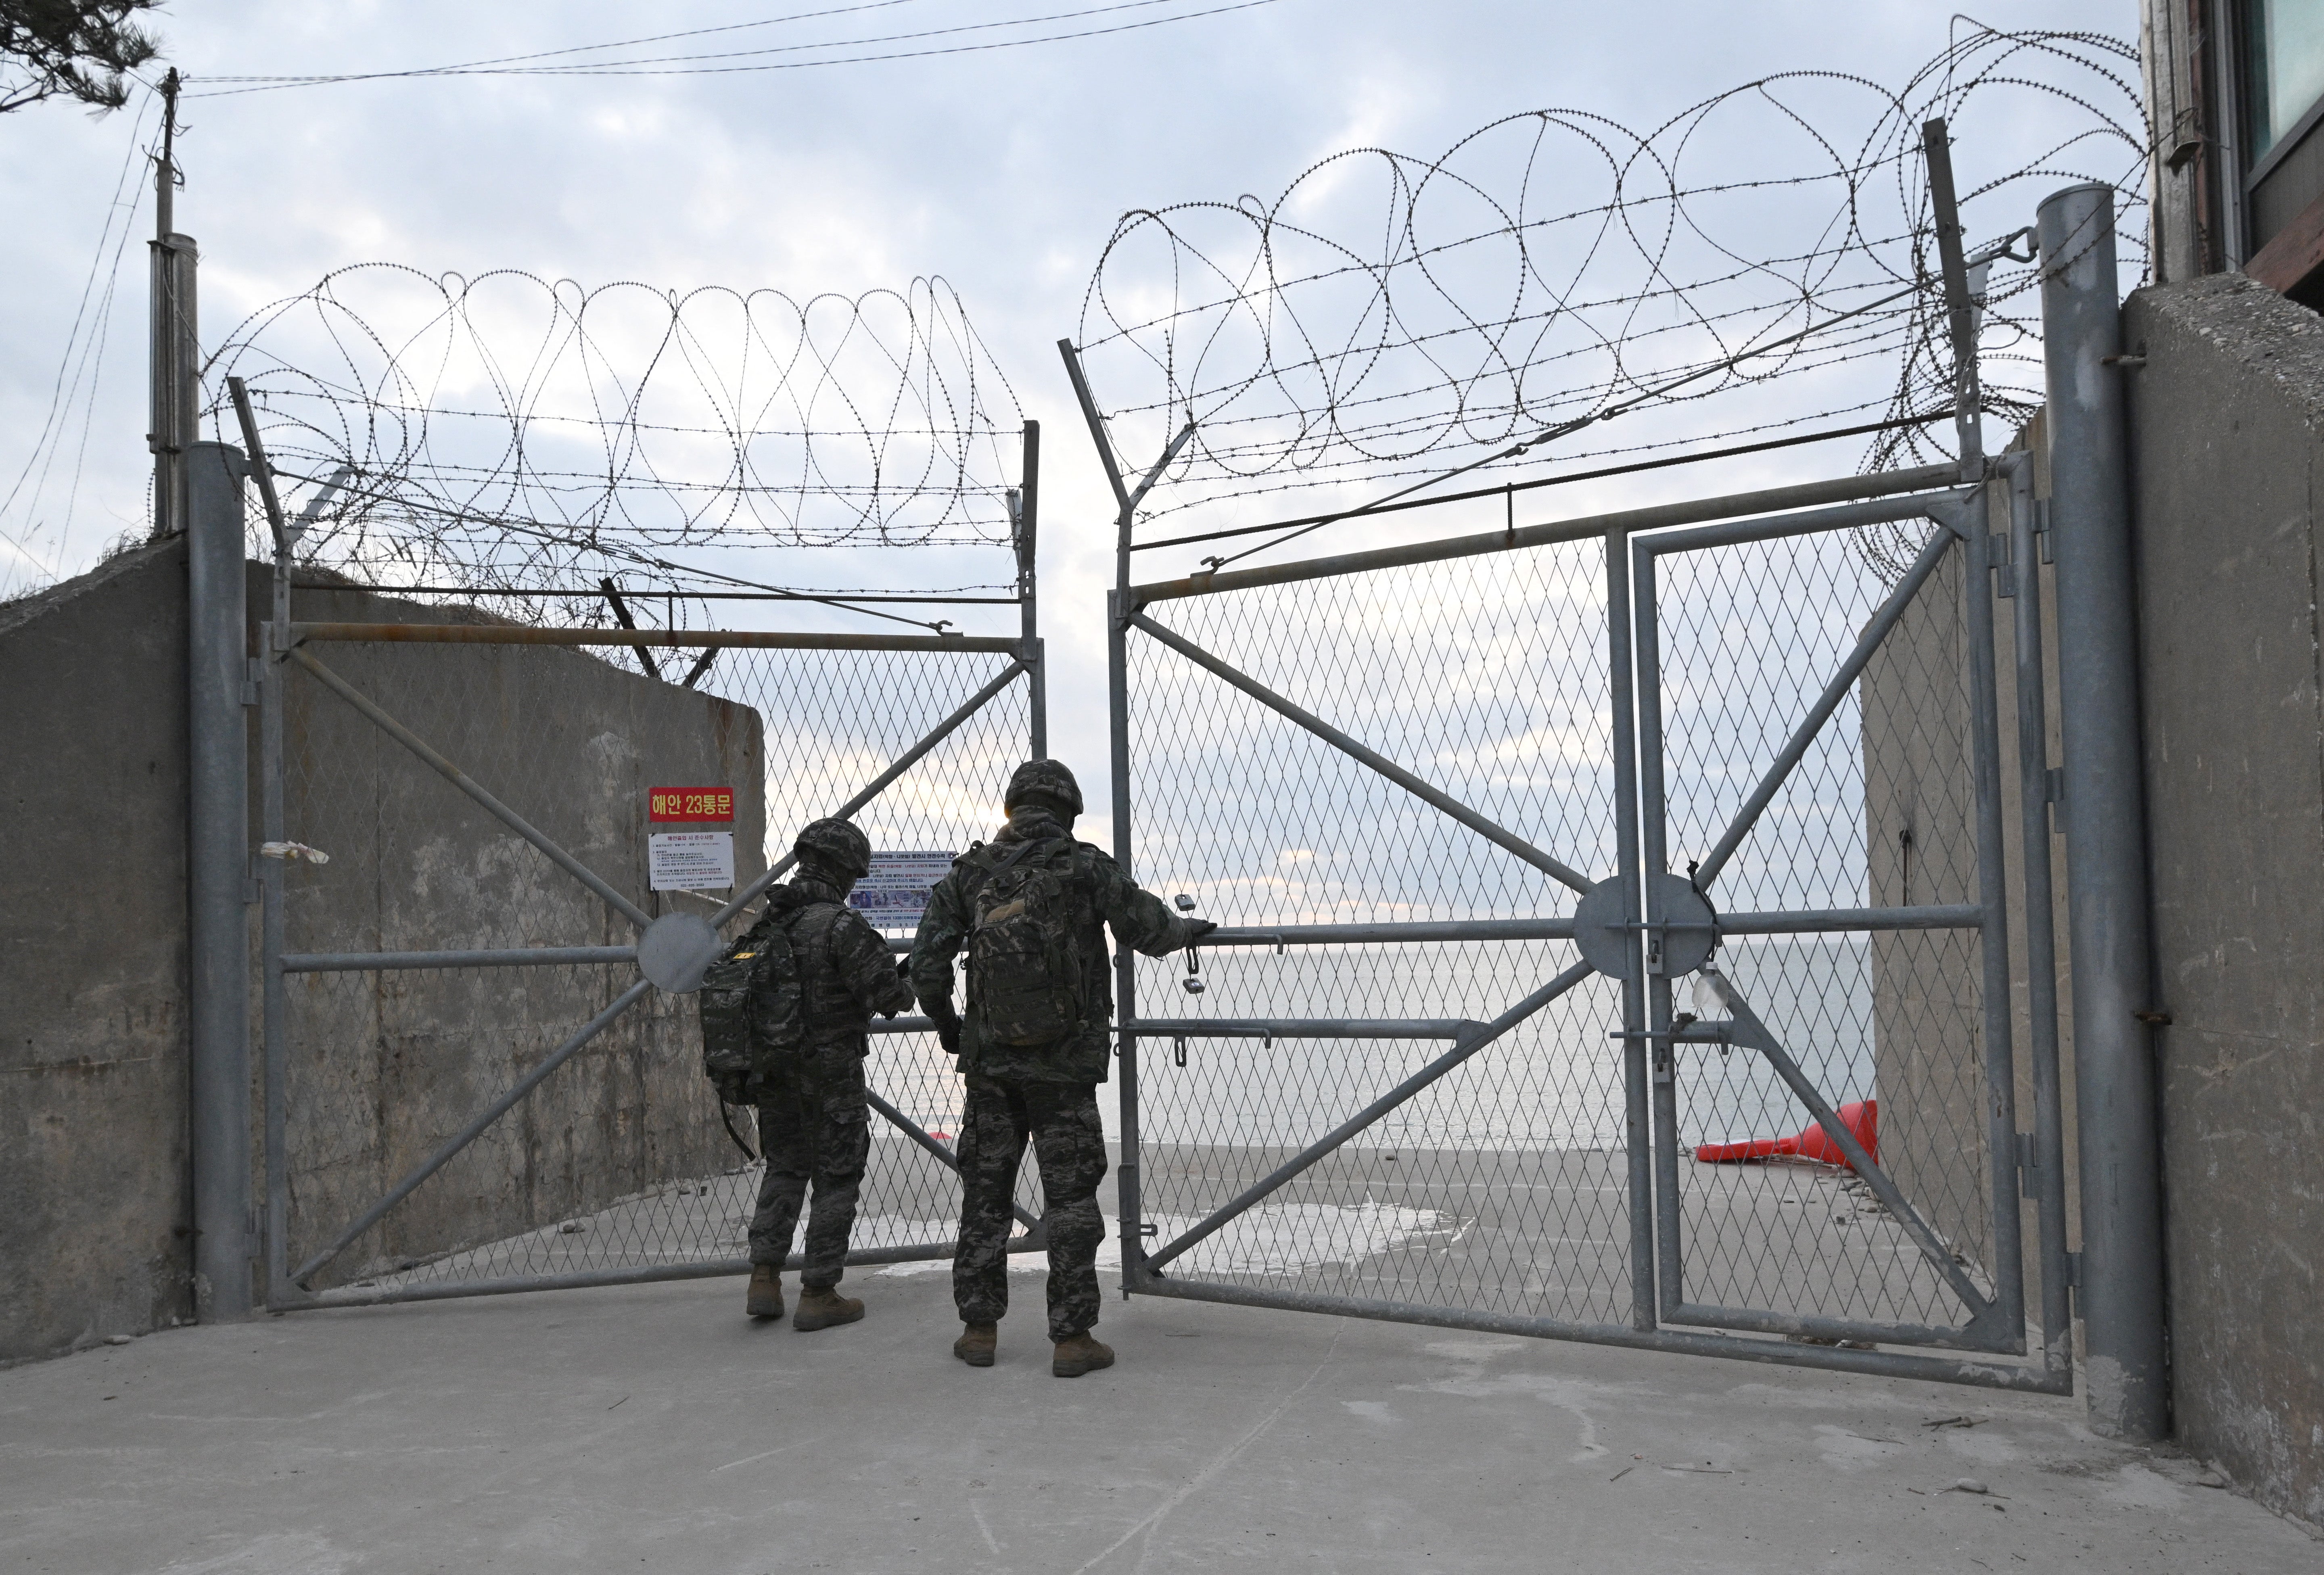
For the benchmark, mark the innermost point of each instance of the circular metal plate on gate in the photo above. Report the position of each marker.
(675, 950)
(1603, 933)
(1672, 899)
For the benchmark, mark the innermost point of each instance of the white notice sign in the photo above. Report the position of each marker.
(691, 860)
(895, 893)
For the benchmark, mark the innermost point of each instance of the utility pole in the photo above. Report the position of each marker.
(176, 351)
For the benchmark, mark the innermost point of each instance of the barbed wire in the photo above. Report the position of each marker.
(1760, 260)
(508, 432)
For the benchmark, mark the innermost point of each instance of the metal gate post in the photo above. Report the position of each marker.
(219, 881)
(1027, 533)
(2105, 816)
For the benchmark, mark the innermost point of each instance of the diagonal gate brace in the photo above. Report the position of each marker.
(1744, 1027)
(473, 788)
(1555, 869)
(1479, 1036)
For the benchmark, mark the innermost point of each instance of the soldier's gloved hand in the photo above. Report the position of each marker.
(1197, 928)
(947, 1018)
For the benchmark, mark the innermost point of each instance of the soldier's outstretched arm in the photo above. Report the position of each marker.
(865, 966)
(943, 929)
(1140, 920)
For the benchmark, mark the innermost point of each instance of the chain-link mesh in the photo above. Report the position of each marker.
(1503, 1186)
(1877, 811)
(1500, 1186)
(618, 1160)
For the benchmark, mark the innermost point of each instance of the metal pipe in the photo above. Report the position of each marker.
(1662, 516)
(590, 1279)
(1028, 536)
(1305, 1027)
(2121, 1282)
(1419, 933)
(1125, 963)
(1482, 1035)
(1877, 1363)
(506, 957)
(1993, 1335)
(1654, 975)
(275, 1078)
(2041, 913)
(1637, 1137)
(1834, 692)
(476, 1123)
(1835, 921)
(1117, 691)
(1811, 522)
(1557, 870)
(1508, 490)
(218, 879)
(1960, 312)
(877, 785)
(1993, 897)
(475, 790)
(728, 638)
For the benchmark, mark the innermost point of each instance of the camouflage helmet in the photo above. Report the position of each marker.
(836, 846)
(1047, 780)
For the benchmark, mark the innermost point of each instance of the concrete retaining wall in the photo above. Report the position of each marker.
(2229, 435)
(2227, 439)
(93, 1153)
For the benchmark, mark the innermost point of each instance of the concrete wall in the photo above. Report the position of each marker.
(94, 1235)
(2229, 435)
(93, 1158)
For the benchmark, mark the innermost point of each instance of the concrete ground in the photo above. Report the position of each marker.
(654, 1428)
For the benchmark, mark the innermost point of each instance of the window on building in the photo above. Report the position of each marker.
(2279, 89)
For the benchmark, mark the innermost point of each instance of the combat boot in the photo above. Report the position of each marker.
(766, 1298)
(820, 1307)
(976, 1344)
(1081, 1354)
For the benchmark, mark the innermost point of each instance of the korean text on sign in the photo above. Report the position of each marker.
(665, 804)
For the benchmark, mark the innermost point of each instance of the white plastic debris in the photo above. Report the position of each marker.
(293, 851)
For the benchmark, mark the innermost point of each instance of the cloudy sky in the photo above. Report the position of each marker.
(1003, 170)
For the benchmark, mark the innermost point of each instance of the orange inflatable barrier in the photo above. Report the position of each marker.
(1861, 1117)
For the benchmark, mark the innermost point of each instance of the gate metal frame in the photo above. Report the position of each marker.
(1645, 913)
(286, 644)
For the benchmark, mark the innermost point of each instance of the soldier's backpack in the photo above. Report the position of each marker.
(754, 1000)
(1025, 966)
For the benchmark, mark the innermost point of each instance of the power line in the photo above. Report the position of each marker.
(683, 66)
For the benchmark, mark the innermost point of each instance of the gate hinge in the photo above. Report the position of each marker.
(253, 673)
(2029, 1167)
(2053, 789)
(2073, 1271)
(1996, 559)
(2047, 542)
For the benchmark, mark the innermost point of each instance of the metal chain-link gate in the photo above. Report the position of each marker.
(1614, 939)
(482, 1064)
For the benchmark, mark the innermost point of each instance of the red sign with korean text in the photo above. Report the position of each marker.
(690, 804)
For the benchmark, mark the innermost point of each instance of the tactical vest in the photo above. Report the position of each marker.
(1024, 973)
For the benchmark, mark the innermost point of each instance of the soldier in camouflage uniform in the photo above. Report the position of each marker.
(1024, 1081)
(814, 1122)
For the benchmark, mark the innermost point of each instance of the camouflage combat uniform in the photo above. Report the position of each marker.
(1046, 1093)
(813, 1123)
